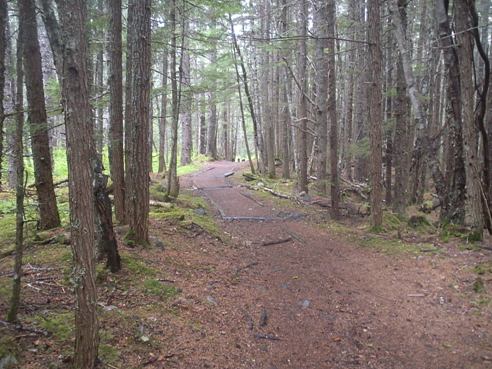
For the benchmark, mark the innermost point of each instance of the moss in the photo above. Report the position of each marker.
(49, 254)
(482, 301)
(478, 285)
(5, 289)
(157, 192)
(157, 288)
(391, 222)
(419, 222)
(102, 273)
(483, 268)
(136, 266)
(8, 346)
(184, 214)
(475, 236)
(59, 324)
(108, 353)
(449, 231)
(392, 246)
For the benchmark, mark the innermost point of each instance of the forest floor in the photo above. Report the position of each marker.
(246, 280)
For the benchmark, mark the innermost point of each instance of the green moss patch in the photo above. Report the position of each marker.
(59, 324)
(158, 288)
(136, 266)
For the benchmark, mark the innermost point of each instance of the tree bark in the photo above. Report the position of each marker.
(426, 148)
(80, 141)
(116, 154)
(453, 203)
(172, 178)
(3, 49)
(43, 171)
(18, 153)
(473, 204)
(187, 138)
(163, 117)
(302, 182)
(375, 111)
(137, 173)
(332, 110)
(321, 24)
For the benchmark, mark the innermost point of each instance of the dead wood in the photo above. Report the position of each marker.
(270, 337)
(277, 242)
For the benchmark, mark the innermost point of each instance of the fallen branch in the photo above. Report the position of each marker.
(277, 194)
(277, 242)
(270, 337)
(20, 327)
(56, 184)
(160, 204)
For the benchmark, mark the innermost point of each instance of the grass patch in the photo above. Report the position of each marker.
(60, 325)
(8, 348)
(189, 210)
(393, 246)
(483, 268)
(157, 288)
(56, 254)
(136, 266)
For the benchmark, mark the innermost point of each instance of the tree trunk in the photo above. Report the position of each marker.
(18, 153)
(473, 204)
(426, 148)
(172, 178)
(332, 110)
(247, 93)
(321, 83)
(52, 29)
(81, 142)
(116, 154)
(187, 138)
(375, 111)
(3, 49)
(137, 172)
(163, 117)
(107, 244)
(43, 171)
(212, 129)
(241, 107)
(203, 127)
(284, 98)
(302, 182)
(99, 89)
(453, 203)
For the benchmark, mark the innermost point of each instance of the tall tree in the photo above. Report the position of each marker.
(473, 205)
(80, 143)
(187, 139)
(302, 182)
(332, 108)
(172, 177)
(3, 49)
(38, 120)
(163, 117)
(453, 202)
(321, 83)
(375, 110)
(284, 96)
(18, 154)
(116, 154)
(137, 171)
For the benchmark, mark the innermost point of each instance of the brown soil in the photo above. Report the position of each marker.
(315, 300)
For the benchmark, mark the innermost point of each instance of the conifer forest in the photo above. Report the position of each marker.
(257, 184)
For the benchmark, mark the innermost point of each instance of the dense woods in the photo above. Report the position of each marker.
(387, 100)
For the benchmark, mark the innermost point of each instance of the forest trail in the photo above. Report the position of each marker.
(316, 301)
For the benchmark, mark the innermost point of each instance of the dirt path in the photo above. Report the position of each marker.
(318, 302)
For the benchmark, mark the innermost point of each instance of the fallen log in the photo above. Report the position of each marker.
(277, 194)
(277, 242)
